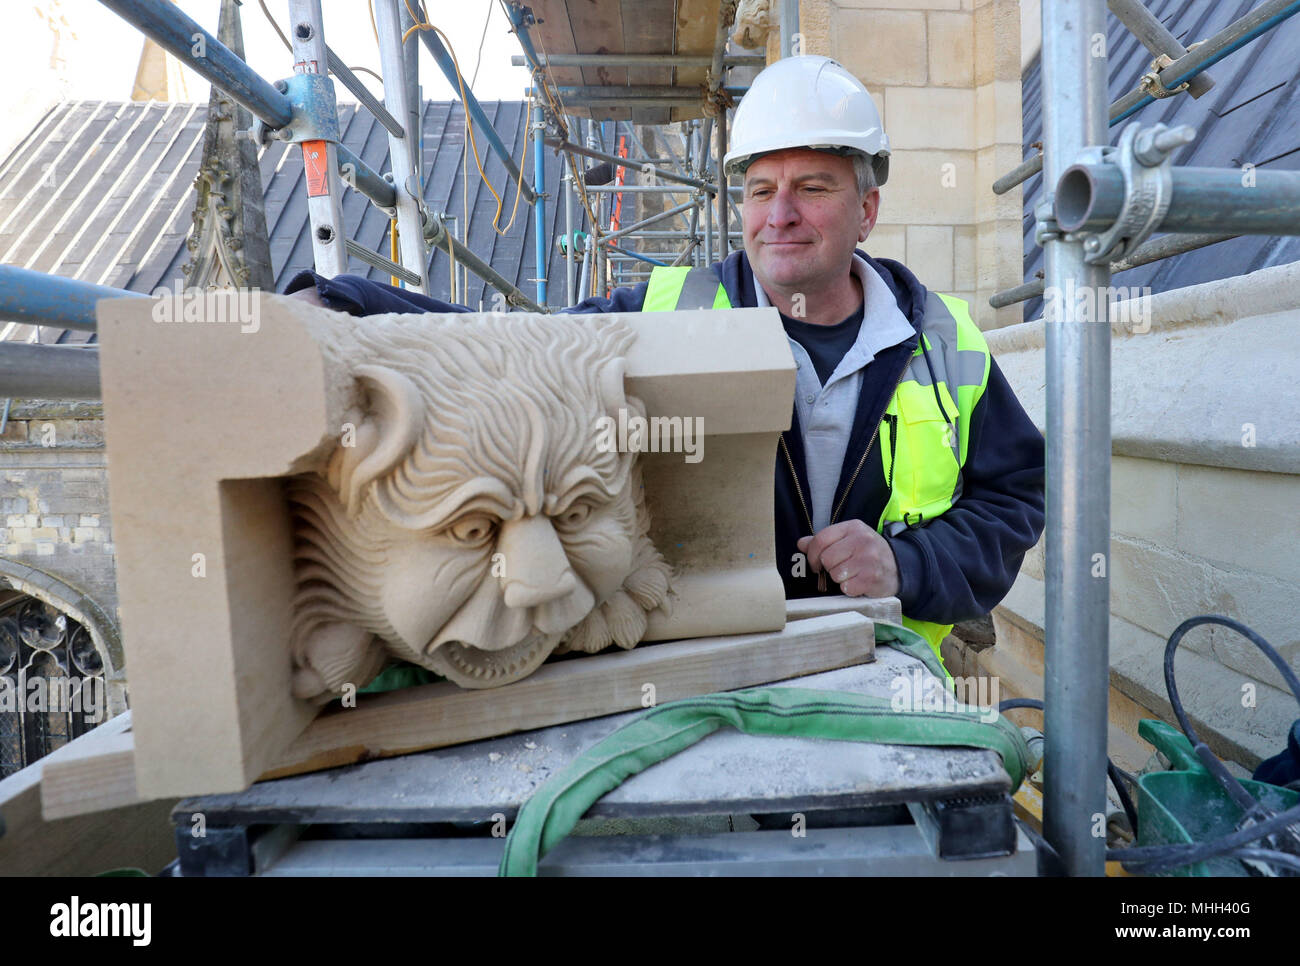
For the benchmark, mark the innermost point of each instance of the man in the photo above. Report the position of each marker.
(910, 468)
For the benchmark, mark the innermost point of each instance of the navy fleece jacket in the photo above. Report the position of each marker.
(952, 568)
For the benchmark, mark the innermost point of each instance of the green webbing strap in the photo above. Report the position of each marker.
(557, 805)
(912, 644)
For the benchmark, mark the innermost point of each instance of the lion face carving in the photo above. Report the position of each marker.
(474, 525)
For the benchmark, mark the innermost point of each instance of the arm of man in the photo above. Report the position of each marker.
(357, 295)
(960, 565)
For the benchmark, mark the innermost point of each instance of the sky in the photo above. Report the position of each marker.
(79, 49)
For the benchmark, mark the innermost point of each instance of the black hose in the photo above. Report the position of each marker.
(1124, 799)
(1285, 669)
(1151, 859)
(1111, 771)
(1158, 858)
(1271, 856)
(1235, 789)
(1011, 704)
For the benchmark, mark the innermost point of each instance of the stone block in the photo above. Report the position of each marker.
(997, 42)
(930, 254)
(963, 257)
(1260, 535)
(15, 431)
(997, 115)
(45, 550)
(930, 188)
(887, 241)
(88, 520)
(951, 39)
(1142, 499)
(930, 117)
(881, 47)
(991, 163)
(214, 650)
(1157, 589)
(84, 534)
(998, 255)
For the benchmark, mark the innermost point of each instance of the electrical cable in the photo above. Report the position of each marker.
(1115, 775)
(422, 23)
(478, 62)
(1159, 858)
(1010, 704)
(289, 47)
(556, 104)
(1271, 856)
(1176, 637)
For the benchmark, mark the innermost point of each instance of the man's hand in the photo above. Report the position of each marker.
(855, 557)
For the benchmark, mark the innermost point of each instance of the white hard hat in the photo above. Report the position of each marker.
(807, 101)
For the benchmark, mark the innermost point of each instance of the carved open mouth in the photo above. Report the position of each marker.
(475, 667)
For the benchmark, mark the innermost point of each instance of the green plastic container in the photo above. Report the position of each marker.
(1188, 805)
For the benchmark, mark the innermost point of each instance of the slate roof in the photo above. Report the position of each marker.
(103, 191)
(1252, 115)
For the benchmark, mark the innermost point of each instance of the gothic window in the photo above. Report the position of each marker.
(52, 685)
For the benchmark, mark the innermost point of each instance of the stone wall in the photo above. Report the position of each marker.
(57, 538)
(1205, 510)
(945, 75)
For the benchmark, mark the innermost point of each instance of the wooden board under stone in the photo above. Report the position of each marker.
(726, 772)
(136, 835)
(437, 715)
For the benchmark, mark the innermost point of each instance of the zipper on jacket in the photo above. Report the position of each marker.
(821, 575)
(797, 488)
(893, 454)
(871, 442)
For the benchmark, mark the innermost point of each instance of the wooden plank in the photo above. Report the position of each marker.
(436, 715)
(554, 35)
(648, 29)
(138, 835)
(877, 608)
(96, 778)
(598, 29)
(696, 28)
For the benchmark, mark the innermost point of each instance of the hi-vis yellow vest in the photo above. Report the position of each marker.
(922, 462)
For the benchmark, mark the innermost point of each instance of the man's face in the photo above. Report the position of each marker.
(803, 218)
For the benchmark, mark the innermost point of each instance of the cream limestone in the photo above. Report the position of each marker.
(297, 503)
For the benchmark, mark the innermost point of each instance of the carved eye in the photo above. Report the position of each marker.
(473, 530)
(574, 516)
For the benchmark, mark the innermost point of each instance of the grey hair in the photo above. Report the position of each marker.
(865, 171)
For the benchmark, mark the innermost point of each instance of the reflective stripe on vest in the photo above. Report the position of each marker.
(675, 288)
(922, 461)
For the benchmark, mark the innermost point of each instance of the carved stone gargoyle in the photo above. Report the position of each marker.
(473, 518)
(298, 495)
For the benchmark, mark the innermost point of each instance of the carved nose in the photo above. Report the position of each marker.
(536, 567)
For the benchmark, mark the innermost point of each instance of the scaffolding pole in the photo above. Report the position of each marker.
(401, 154)
(539, 198)
(320, 155)
(1077, 628)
